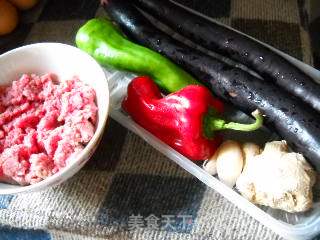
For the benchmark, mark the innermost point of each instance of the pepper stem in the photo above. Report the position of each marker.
(213, 124)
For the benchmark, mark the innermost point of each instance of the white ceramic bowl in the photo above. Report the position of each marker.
(65, 61)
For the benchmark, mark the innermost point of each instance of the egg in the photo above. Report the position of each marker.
(24, 4)
(8, 17)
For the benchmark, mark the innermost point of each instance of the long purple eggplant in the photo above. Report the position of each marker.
(238, 47)
(292, 120)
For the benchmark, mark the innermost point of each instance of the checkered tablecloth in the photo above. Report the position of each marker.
(128, 190)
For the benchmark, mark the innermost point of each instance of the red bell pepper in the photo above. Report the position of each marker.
(186, 120)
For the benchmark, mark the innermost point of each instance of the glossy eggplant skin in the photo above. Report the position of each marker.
(238, 47)
(294, 121)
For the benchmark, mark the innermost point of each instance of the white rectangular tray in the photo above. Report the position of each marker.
(290, 226)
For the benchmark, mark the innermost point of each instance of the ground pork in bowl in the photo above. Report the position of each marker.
(54, 102)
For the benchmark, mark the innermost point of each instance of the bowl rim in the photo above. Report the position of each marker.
(72, 168)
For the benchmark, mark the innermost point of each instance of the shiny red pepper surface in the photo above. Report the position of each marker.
(176, 119)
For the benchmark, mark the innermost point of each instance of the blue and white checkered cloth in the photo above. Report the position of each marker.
(128, 190)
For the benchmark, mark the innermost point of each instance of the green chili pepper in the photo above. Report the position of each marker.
(102, 40)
